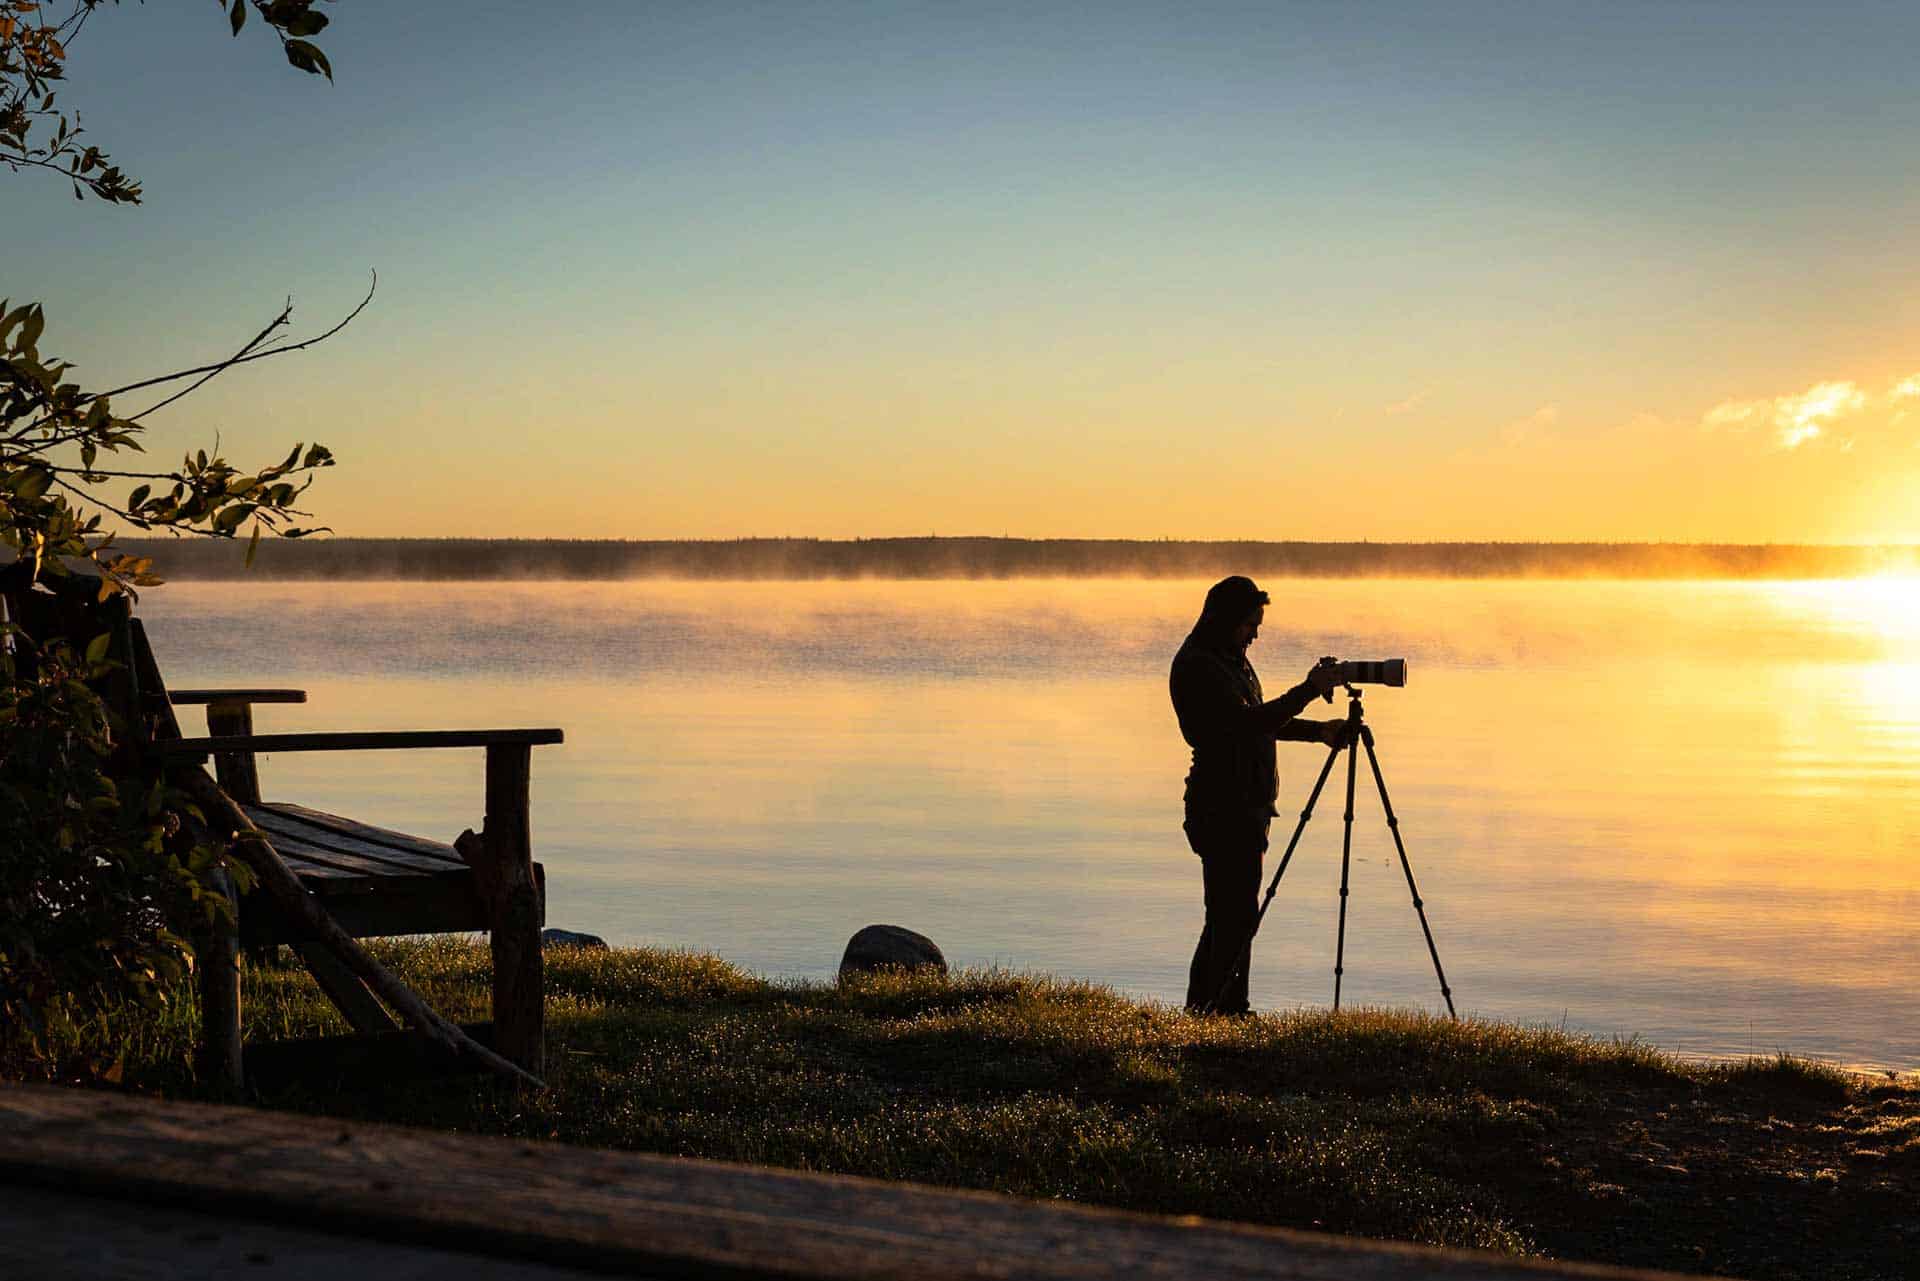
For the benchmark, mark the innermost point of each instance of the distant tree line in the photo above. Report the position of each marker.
(938, 558)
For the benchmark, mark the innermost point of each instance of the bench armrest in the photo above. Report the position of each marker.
(380, 740)
(237, 695)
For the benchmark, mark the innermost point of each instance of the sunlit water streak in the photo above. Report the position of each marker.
(1683, 811)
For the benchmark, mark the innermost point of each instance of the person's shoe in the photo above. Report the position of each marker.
(1223, 1012)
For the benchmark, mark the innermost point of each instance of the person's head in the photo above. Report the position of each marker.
(1249, 627)
(1233, 612)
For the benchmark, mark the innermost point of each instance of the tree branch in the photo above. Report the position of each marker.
(224, 365)
(243, 356)
(229, 363)
(17, 161)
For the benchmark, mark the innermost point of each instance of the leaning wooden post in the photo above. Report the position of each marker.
(217, 959)
(239, 778)
(502, 861)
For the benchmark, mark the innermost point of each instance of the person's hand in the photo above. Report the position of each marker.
(1335, 733)
(1323, 679)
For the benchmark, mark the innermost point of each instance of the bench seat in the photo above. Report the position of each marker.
(375, 881)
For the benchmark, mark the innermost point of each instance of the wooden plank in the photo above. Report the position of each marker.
(353, 829)
(180, 696)
(293, 849)
(502, 861)
(376, 909)
(217, 963)
(371, 741)
(612, 1210)
(327, 878)
(288, 833)
(54, 1234)
(238, 772)
(348, 992)
(154, 712)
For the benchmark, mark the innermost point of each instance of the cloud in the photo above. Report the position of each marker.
(1521, 430)
(1799, 418)
(1413, 402)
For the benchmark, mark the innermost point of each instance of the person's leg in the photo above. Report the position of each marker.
(1230, 862)
(1232, 902)
(1199, 995)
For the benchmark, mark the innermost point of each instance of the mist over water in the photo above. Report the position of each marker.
(788, 559)
(1679, 810)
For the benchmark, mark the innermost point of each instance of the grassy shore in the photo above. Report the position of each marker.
(1374, 1123)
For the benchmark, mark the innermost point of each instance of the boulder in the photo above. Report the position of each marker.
(881, 947)
(571, 938)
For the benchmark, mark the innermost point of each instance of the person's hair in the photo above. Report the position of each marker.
(1228, 604)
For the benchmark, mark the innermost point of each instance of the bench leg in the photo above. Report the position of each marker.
(502, 861)
(218, 963)
(344, 988)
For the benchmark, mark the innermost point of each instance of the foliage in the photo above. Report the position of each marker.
(53, 435)
(36, 133)
(101, 868)
(105, 872)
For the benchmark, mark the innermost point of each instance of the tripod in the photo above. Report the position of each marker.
(1358, 732)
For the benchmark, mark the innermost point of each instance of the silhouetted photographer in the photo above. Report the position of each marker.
(1234, 781)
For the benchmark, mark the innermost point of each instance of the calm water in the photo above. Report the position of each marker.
(1682, 811)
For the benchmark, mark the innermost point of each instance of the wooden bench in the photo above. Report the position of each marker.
(369, 880)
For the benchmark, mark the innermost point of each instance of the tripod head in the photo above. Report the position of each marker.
(1357, 727)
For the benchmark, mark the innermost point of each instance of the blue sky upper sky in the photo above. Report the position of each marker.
(1199, 270)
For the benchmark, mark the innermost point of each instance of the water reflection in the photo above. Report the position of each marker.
(1679, 810)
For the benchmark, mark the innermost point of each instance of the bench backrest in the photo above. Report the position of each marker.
(68, 607)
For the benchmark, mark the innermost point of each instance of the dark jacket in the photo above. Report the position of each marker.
(1226, 721)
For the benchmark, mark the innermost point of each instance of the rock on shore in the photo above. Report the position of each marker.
(879, 947)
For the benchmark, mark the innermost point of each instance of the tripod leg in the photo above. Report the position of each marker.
(1346, 862)
(1419, 905)
(1306, 813)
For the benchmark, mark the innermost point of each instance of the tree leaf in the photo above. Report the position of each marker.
(239, 15)
(308, 58)
(230, 518)
(253, 544)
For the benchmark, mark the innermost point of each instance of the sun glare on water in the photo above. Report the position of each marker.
(1882, 611)
(1887, 605)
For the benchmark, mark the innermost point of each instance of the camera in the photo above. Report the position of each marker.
(1382, 671)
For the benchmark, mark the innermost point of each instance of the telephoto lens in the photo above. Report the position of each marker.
(1384, 671)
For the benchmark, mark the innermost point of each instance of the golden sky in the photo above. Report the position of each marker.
(1211, 271)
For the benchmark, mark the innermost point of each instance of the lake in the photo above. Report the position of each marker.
(1682, 811)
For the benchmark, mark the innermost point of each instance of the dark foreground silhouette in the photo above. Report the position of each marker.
(1380, 1124)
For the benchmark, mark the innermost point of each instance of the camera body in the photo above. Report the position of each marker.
(1361, 671)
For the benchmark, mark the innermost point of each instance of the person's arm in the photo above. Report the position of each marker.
(1332, 733)
(1210, 707)
(1278, 715)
